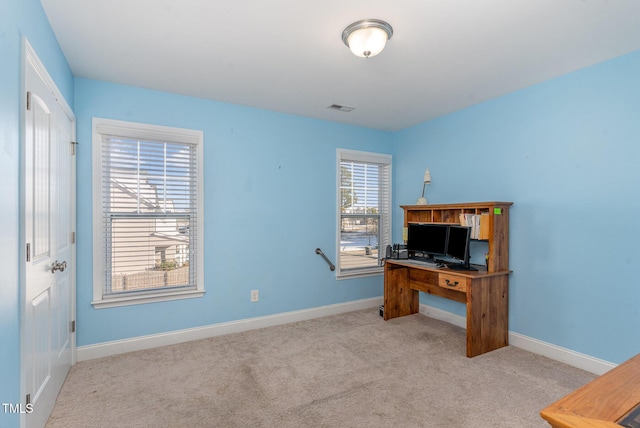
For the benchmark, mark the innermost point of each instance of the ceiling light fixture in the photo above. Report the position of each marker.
(368, 37)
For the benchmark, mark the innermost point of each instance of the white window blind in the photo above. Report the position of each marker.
(364, 218)
(149, 213)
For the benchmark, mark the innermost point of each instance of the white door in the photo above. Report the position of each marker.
(49, 221)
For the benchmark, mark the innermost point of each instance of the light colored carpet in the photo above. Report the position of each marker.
(347, 370)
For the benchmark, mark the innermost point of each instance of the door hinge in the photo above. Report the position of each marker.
(28, 399)
(28, 252)
(73, 326)
(73, 147)
(73, 237)
(28, 100)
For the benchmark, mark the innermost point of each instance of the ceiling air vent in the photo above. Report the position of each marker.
(341, 108)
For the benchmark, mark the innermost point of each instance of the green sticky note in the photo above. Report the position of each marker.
(497, 211)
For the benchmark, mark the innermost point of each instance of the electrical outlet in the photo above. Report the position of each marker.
(255, 296)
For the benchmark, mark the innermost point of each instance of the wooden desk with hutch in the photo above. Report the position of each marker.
(485, 292)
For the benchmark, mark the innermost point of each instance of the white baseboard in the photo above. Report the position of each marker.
(558, 353)
(100, 350)
(106, 349)
(567, 356)
(439, 314)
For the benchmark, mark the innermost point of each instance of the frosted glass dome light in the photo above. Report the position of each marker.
(368, 37)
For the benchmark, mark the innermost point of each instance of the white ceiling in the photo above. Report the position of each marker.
(288, 55)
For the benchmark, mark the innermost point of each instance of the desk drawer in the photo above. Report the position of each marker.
(453, 282)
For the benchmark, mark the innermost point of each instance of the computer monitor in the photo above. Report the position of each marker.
(427, 240)
(458, 246)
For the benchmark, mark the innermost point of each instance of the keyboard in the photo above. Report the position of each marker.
(424, 263)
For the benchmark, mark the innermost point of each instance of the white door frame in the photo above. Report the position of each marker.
(29, 57)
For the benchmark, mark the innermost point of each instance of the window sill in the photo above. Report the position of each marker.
(360, 274)
(114, 302)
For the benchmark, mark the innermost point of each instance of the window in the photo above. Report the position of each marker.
(364, 211)
(148, 209)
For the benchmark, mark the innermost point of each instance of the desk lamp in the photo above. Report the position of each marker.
(427, 180)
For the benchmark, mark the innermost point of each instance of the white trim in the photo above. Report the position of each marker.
(155, 132)
(137, 299)
(369, 157)
(558, 353)
(439, 314)
(107, 349)
(360, 274)
(146, 131)
(32, 58)
(567, 356)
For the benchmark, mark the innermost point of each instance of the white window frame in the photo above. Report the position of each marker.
(386, 223)
(135, 130)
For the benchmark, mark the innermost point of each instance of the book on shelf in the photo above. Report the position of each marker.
(479, 224)
(484, 226)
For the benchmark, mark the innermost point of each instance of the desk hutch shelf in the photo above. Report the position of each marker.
(497, 222)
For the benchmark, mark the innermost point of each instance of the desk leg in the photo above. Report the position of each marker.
(399, 299)
(487, 315)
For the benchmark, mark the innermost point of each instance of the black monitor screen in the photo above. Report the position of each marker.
(458, 246)
(429, 239)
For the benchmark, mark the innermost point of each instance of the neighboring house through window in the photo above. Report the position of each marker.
(364, 211)
(147, 213)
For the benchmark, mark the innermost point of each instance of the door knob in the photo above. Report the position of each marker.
(58, 266)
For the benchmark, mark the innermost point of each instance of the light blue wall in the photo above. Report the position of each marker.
(566, 152)
(17, 18)
(270, 186)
